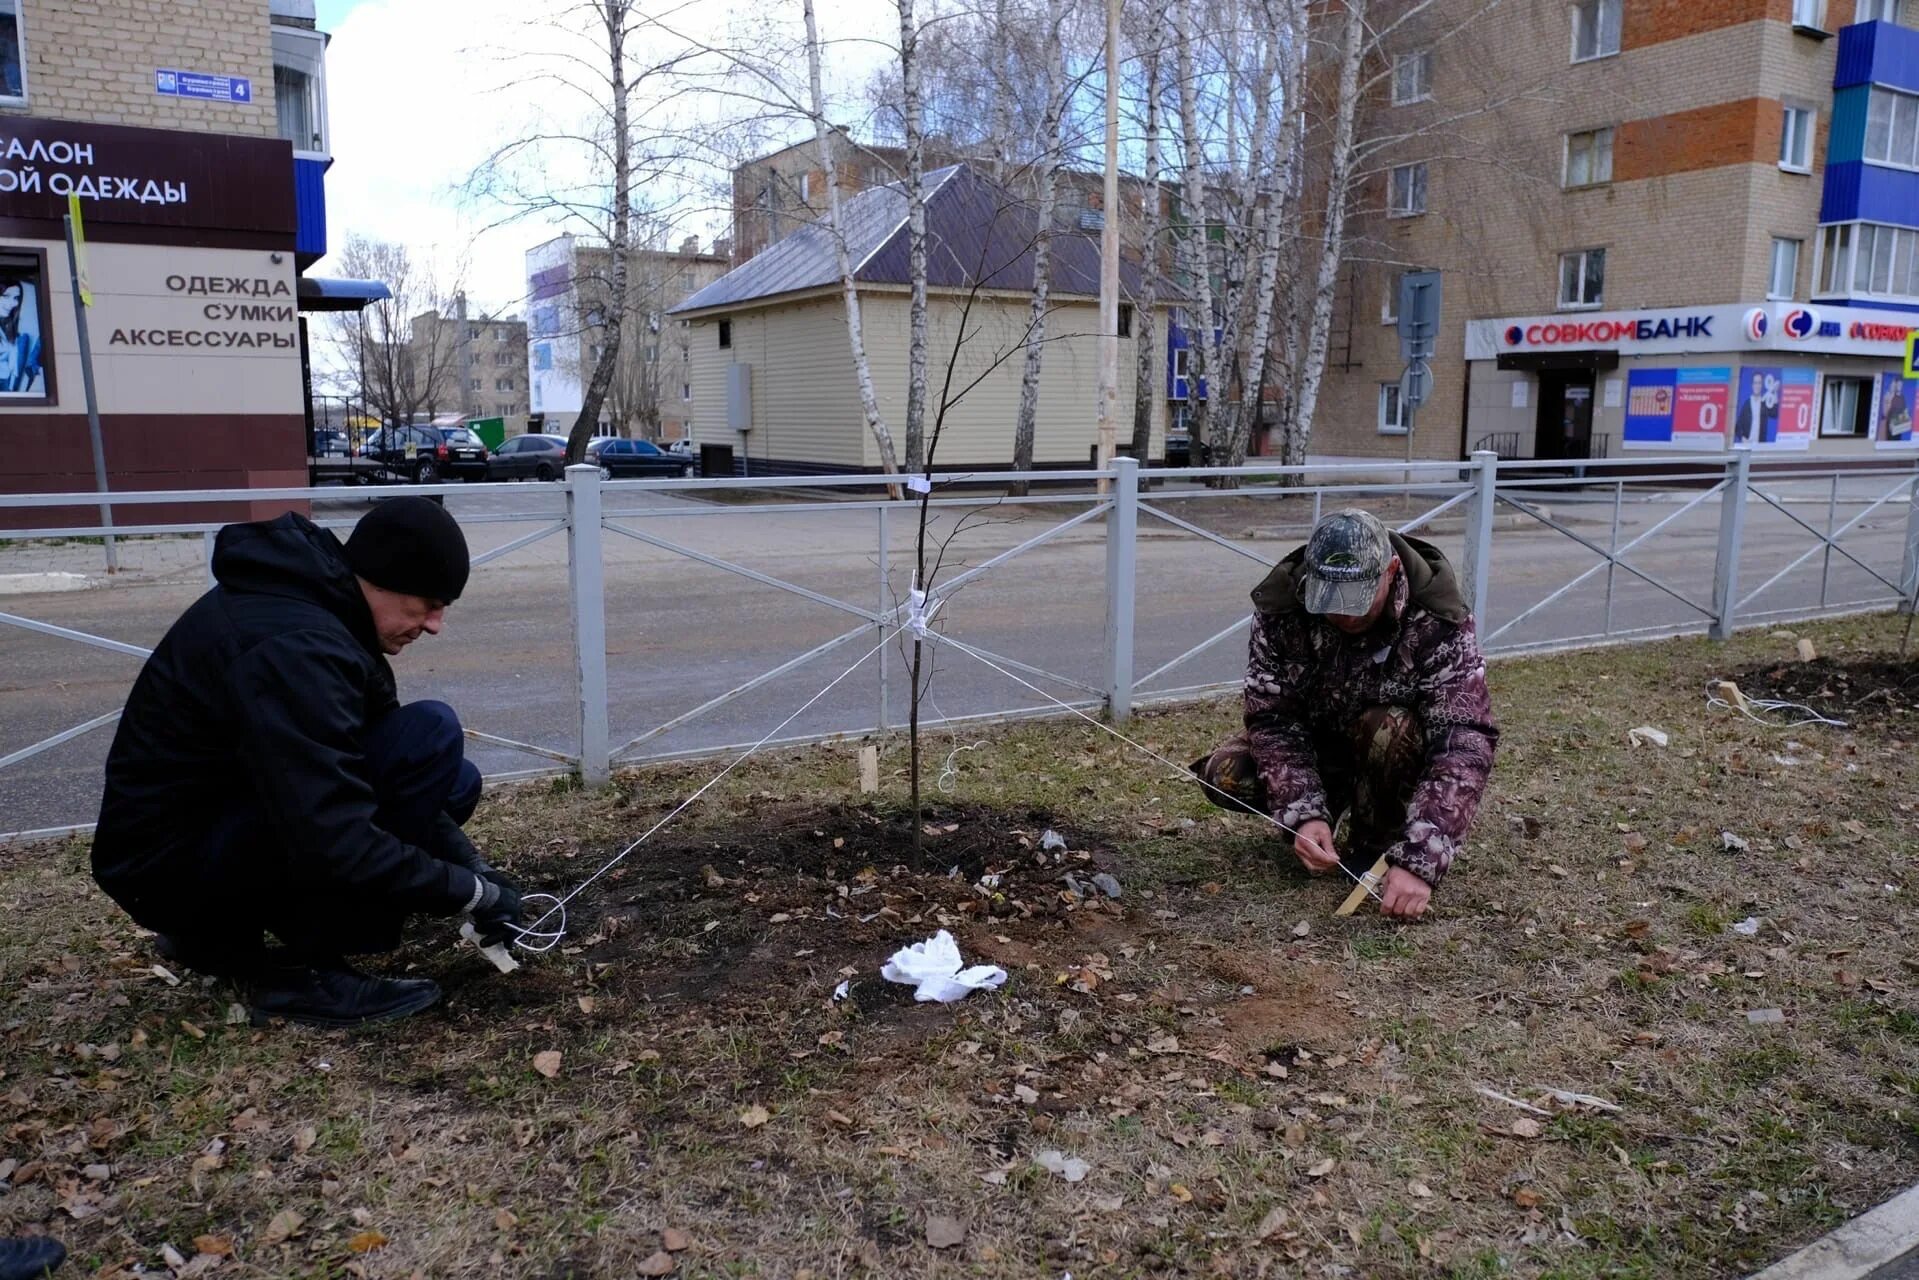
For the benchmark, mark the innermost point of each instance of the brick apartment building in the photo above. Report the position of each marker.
(480, 360)
(195, 138)
(1659, 226)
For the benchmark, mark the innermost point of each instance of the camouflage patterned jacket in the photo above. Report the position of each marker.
(1305, 678)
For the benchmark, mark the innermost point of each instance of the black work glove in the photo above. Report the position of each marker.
(451, 844)
(498, 909)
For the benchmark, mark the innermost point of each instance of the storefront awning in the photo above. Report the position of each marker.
(319, 293)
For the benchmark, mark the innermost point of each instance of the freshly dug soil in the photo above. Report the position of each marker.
(1855, 690)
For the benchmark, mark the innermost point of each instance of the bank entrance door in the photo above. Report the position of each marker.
(1565, 422)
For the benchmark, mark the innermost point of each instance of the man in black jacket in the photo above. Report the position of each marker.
(265, 779)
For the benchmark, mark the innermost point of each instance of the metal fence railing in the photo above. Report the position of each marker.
(614, 622)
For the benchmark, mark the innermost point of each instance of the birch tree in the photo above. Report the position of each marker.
(1046, 204)
(1148, 370)
(849, 289)
(913, 126)
(1196, 256)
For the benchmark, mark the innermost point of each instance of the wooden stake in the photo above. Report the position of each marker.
(869, 770)
(1361, 891)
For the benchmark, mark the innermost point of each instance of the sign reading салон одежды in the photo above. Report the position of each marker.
(1782, 327)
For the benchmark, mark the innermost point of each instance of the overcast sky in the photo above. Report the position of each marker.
(419, 94)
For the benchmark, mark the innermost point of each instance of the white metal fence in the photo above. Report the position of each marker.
(614, 622)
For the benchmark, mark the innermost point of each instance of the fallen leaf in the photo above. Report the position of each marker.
(840, 1118)
(1163, 1044)
(217, 1246)
(1526, 1198)
(1026, 1094)
(1321, 1169)
(304, 1139)
(660, 1264)
(285, 1225)
(1300, 930)
(1179, 1192)
(547, 1063)
(943, 1232)
(1526, 1127)
(1272, 1224)
(192, 1030)
(587, 1004)
(366, 1242)
(755, 1116)
(674, 1240)
(1420, 1190)
(505, 1220)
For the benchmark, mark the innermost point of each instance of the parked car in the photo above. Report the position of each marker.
(683, 448)
(528, 457)
(625, 459)
(424, 455)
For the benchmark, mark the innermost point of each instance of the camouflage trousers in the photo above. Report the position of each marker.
(1368, 767)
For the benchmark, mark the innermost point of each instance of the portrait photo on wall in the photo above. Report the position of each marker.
(1893, 425)
(1756, 419)
(24, 358)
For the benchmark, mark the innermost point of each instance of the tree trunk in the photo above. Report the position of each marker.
(613, 14)
(1326, 279)
(1001, 126)
(1151, 360)
(916, 237)
(1264, 205)
(849, 290)
(1049, 164)
(1197, 254)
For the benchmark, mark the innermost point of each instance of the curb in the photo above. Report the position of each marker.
(1857, 1250)
(24, 584)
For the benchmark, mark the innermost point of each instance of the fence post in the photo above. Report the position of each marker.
(1909, 577)
(1478, 566)
(1122, 547)
(586, 578)
(1732, 532)
(207, 539)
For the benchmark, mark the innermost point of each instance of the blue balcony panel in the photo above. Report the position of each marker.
(1878, 53)
(1855, 190)
(309, 195)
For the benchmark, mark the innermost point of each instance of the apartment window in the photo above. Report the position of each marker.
(1392, 413)
(1884, 261)
(1892, 128)
(1408, 193)
(806, 186)
(686, 391)
(13, 54)
(1582, 279)
(1846, 408)
(1125, 320)
(1412, 77)
(473, 385)
(1795, 140)
(1785, 268)
(1389, 300)
(503, 384)
(1596, 29)
(1810, 14)
(299, 87)
(499, 334)
(1879, 11)
(1588, 158)
(726, 334)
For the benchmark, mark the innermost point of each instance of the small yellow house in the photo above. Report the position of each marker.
(772, 370)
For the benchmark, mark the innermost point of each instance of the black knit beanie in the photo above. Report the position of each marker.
(412, 546)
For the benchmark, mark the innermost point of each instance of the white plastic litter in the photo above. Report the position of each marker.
(919, 484)
(933, 969)
(1052, 840)
(1749, 927)
(844, 990)
(1647, 733)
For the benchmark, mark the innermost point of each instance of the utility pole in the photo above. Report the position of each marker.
(82, 299)
(1109, 253)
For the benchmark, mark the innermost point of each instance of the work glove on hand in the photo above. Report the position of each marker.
(498, 908)
(453, 846)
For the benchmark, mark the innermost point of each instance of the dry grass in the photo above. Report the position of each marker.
(1252, 1100)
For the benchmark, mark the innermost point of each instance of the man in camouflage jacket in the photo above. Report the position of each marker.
(1365, 695)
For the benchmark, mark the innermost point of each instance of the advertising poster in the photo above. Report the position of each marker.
(1892, 424)
(1677, 409)
(22, 352)
(1755, 419)
(1797, 393)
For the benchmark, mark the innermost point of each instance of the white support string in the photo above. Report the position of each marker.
(1365, 882)
(547, 939)
(1748, 707)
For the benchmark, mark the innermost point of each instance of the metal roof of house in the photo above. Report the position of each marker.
(976, 232)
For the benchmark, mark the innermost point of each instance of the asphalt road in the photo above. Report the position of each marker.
(681, 632)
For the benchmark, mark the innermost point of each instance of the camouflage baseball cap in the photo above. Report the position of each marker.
(1345, 558)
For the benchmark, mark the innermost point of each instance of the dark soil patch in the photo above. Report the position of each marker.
(1855, 690)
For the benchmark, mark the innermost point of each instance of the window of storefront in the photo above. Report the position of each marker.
(1795, 139)
(1588, 158)
(1582, 279)
(13, 55)
(1408, 195)
(1846, 407)
(1785, 268)
(1596, 29)
(1892, 128)
(1392, 413)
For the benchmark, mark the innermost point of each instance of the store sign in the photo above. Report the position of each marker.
(1781, 326)
(1775, 409)
(141, 178)
(1677, 409)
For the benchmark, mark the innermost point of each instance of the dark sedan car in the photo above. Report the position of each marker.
(424, 455)
(528, 457)
(625, 459)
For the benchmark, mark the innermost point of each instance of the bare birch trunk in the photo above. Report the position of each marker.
(1274, 214)
(1151, 360)
(855, 336)
(1331, 250)
(1197, 254)
(613, 14)
(1048, 199)
(915, 237)
(1003, 96)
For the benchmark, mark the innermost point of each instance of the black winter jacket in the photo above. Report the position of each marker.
(266, 685)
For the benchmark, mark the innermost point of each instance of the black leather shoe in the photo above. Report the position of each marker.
(335, 995)
(30, 1257)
